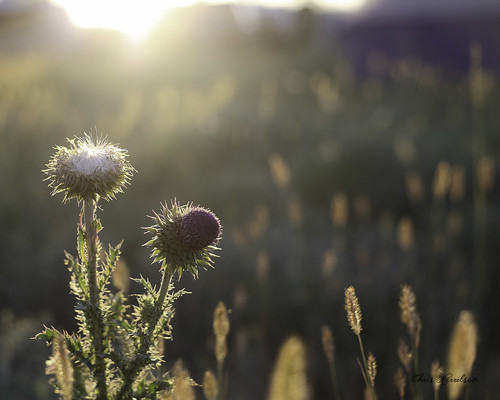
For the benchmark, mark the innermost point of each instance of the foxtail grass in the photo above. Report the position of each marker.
(368, 368)
(462, 354)
(411, 318)
(289, 378)
(329, 351)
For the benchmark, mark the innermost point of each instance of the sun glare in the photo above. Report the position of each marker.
(134, 18)
(137, 18)
(344, 5)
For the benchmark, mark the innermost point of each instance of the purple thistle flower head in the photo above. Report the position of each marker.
(198, 228)
(184, 238)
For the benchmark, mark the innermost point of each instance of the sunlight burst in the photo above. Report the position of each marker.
(135, 19)
(346, 5)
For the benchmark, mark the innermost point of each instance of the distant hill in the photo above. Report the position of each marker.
(34, 26)
(416, 9)
(436, 32)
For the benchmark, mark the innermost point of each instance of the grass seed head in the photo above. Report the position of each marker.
(404, 355)
(409, 314)
(436, 374)
(210, 387)
(289, 379)
(353, 310)
(462, 351)
(328, 345)
(372, 368)
(400, 382)
(221, 330)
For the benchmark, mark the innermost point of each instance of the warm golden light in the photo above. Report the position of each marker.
(134, 18)
(137, 18)
(343, 5)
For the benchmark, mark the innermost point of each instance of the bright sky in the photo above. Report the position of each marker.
(137, 17)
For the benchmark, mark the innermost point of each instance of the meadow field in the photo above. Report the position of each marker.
(325, 172)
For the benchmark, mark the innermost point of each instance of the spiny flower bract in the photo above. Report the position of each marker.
(88, 168)
(184, 238)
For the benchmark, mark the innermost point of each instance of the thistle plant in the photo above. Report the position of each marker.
(115, 353)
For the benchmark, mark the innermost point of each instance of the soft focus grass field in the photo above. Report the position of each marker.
(322, 178)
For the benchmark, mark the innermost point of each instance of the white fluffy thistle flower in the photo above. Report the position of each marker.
(88, 168)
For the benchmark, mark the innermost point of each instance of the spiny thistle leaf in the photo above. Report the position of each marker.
(109, 266)
(48, 334)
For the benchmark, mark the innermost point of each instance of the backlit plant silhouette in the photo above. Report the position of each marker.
(116, 352)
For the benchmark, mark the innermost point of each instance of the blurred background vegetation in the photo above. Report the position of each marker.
(335, 151)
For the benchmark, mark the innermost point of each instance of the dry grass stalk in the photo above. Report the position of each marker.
(262, 265)
(405, 233)
(415, 188)
(409, 314)
(61, 367)
(462, 352)
(280, 172)
(410, 317)
(289, 380)
(436, 374)
(295, 211)
(121, 276)
(329, 350)
(372, 368)
(339, 210)
(220, 350)
(182, 388)
(476, 81)
(353, 310)
(485, 174)
(354, 318)
(400, 382)
(221, 330)
(210, 387)
(457, 188)
(329, 262)
(362, 207)
(442, 180)
(404, 355)
(328, 346)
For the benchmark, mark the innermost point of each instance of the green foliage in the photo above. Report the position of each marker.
(114, 354)
(128, 340)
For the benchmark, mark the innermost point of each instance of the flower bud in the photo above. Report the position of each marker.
(184, 238)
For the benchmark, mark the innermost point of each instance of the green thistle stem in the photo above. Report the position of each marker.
(165, 283)
(140, 362)
(94, 310)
